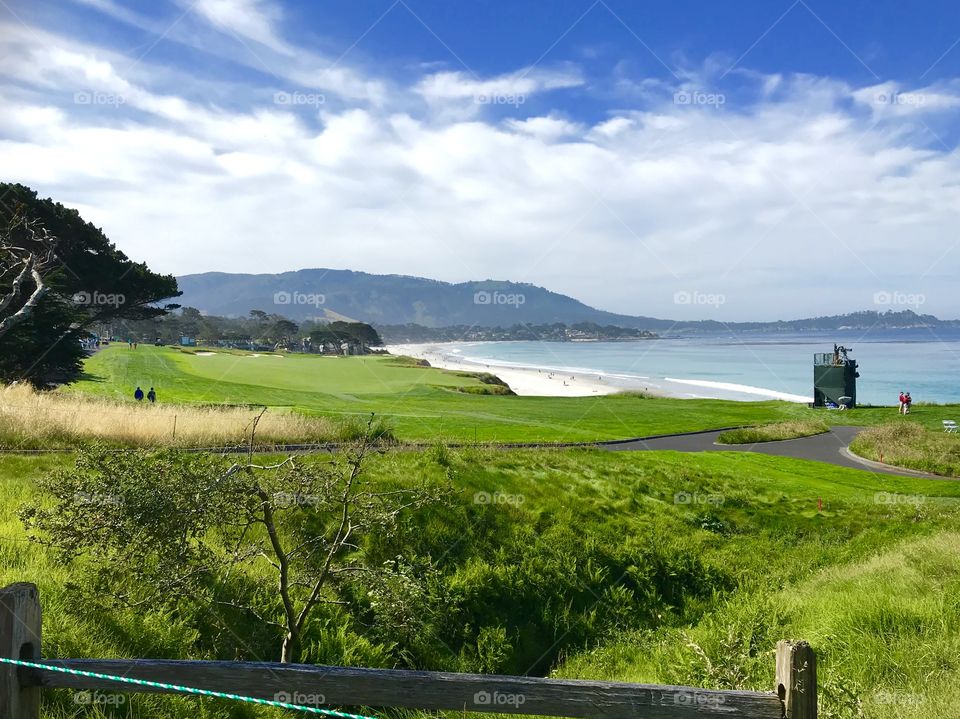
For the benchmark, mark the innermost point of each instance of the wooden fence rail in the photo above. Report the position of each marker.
(795, 696)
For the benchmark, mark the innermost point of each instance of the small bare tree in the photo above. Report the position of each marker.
(27, 254)
(274, 541)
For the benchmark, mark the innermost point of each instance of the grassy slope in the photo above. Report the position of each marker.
(885, 629)
(422, 402)
(740, 511)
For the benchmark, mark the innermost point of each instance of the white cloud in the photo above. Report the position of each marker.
(251, 19)
(547, 128)
(522, 83)
(891, 99)
(613, 127)
(797, 204)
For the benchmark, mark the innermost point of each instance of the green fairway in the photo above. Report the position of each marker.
(423, 403)
(255, 378)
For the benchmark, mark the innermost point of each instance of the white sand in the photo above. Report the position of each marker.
(204, 354)
(526, 381)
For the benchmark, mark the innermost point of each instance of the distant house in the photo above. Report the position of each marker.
(188, 341)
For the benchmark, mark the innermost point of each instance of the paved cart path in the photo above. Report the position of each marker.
(830, 447)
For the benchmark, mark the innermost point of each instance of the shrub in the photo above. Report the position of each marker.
(773, 432)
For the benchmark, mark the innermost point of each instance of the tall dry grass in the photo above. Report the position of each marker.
(41, 420)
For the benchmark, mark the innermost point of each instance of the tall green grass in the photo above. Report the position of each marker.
(547, 554)
(905, 444)
(886, 630)
(774, 432)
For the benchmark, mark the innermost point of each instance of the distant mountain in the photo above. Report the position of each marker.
(384, 300)
(863, 320)
(388, 299)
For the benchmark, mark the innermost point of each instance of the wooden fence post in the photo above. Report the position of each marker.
(797, 679)
(19, 639)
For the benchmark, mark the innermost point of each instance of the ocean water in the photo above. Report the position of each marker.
(750, 365)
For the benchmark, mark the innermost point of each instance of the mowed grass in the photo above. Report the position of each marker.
(236, 377)
(423, 403)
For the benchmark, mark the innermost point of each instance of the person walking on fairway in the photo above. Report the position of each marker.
(152, 396)
(903, 402)
(138, 395)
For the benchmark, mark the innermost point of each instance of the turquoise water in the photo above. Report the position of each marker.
(752, 365)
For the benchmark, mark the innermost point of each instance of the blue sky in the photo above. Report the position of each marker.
(732, 160)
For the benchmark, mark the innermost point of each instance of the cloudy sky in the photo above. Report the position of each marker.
(761, 159)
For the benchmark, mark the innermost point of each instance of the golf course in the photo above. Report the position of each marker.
(428, 404)
(655, 566)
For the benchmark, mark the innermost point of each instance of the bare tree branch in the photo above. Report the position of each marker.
(33, 261)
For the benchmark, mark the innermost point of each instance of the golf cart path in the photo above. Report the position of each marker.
(831, 447)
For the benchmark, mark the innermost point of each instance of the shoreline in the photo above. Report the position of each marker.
(546, 381)
(524, 381)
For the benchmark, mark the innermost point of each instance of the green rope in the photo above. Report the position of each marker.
(183, 689)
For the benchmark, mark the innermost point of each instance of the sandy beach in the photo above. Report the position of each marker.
(525, 381)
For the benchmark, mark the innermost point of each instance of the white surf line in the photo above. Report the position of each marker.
(742, 388)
